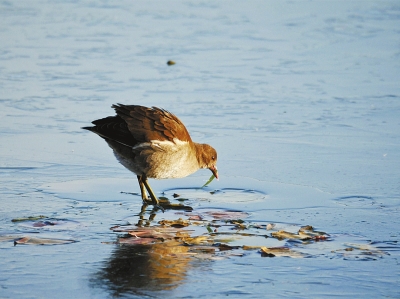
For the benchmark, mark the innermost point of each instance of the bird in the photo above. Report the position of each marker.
(153, 143)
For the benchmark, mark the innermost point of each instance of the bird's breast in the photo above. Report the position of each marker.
(167, 159)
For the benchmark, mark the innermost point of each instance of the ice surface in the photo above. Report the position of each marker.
(300, 98)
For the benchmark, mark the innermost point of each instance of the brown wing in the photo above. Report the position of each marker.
(146, 124)
(113, 128)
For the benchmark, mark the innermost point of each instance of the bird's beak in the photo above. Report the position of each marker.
(214, 170)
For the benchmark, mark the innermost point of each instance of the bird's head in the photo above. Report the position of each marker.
(207, 157)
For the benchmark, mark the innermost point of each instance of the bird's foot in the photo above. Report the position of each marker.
(156, 205)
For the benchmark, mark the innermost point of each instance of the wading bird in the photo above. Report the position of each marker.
(153, 143)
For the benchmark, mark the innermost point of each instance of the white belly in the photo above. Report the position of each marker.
(161, 159)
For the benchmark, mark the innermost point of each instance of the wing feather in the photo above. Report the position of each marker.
(146, 124)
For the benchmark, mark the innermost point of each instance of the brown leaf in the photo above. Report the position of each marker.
(308, 230)
(175, 223)
(224, 247)
(164, 233)
(246, 247)
(227, 215)
(203, 249)
(280, 235)
(196, 240)
(43, 223)
(30, 218)
(195, 217)
(41, 241)
(137, 241)
(280, 251)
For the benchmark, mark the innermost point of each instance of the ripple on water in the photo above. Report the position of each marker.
(356, 201)
(223, 195)
(238, 192)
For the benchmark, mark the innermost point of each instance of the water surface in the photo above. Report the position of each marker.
(301, 100)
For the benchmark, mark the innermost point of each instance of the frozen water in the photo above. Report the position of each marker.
(300, 98)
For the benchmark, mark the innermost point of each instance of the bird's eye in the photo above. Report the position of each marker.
(213, 157)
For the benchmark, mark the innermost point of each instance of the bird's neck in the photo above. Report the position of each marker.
(199, 149)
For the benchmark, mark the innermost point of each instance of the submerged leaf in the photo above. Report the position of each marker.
(196, 240)
(41, 241)
(137, 241)
(246, 247)
(207, 251)
(158, 232)
(30, 218)
(280, 235)
(43, 223)
(167, 205)
(228, 215)
(280, 251)
(182, 199)
(238, 224)
(175, 223)
(224, 247)
(155, 234)
(309, 231)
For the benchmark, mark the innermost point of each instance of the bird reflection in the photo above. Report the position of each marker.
(142, 216)
(144, 268)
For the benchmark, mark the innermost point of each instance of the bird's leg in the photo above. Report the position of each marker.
(151, 193)
(142, 190)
